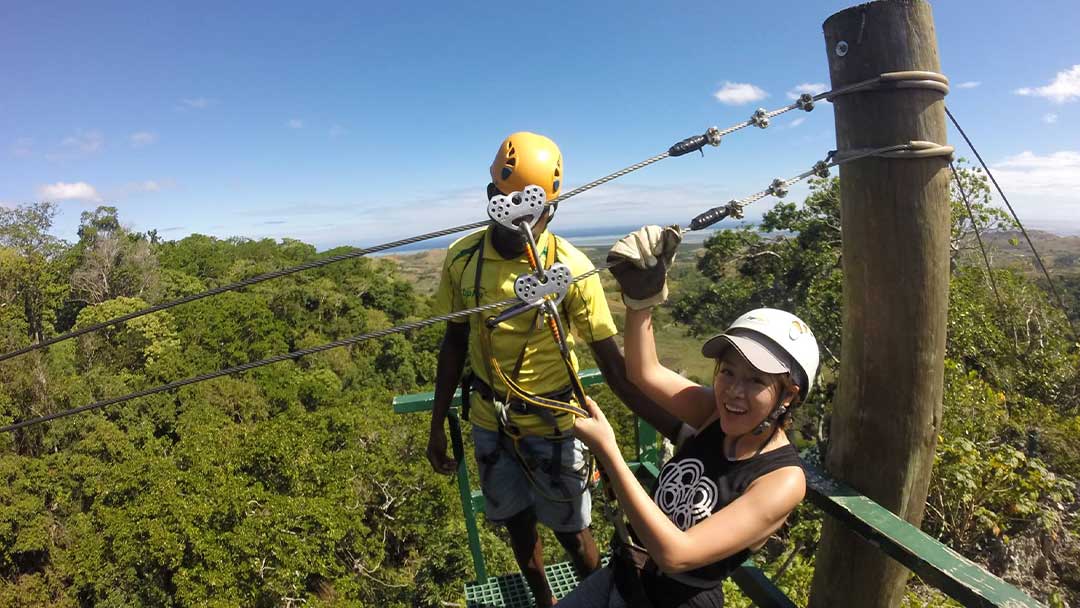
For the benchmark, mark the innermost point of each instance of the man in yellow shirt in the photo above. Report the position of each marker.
(542, 475)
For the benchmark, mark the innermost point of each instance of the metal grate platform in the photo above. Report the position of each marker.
(511, 591)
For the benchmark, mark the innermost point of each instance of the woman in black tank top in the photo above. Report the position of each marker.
(735, 477)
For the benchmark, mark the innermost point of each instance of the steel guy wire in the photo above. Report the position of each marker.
(978, 237)
(1038, 258)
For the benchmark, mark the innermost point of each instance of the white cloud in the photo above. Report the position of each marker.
(971, 84)
(1064, 88)
(1043, 188)
(22, 148)
(796, 122)
(1050, 118)
(143, 138)
(1066, 159)
(197, 103)
(79, 145)
(336, 131)
(145, 186)
(62, 191)
(295, 123)
(739, 93)
(812, 88)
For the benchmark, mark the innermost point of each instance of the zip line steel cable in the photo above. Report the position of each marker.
(978, 237)
(712, 136)
(254, 364)
(1038, 258)
(732, 209)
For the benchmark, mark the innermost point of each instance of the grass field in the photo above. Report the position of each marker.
(681, 352)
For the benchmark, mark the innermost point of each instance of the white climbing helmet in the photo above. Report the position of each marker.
(774, 341)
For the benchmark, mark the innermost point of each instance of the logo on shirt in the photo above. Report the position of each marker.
(469, 293)
(684, 494)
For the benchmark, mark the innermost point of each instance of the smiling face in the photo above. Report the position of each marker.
(744, 395)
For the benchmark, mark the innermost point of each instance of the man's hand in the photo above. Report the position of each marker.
(646, 255)
(436, 453)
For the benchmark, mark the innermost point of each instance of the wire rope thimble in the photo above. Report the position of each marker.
(805, 102)
(734, 209)
(760, 118)
(821, 169)
(712, 135)
(778, 188)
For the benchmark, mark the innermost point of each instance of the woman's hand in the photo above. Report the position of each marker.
(642, 259)
(595, 431)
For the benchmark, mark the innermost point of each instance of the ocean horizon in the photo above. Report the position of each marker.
(605, 236)
(581, 237)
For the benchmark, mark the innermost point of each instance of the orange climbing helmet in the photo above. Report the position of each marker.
(525, 159)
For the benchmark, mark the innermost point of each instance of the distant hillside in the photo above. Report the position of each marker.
(1061, 254)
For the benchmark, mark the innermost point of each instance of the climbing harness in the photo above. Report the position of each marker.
(543, 292)
(540, 292)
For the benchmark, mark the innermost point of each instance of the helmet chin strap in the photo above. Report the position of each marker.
(769, 421)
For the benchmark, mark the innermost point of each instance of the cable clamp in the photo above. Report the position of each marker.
(778, 188)
(734, 209)
(712, 135)
(805, 102)
(760, 118)
(821, 169)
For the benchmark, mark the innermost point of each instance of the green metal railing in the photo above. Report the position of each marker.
(937, 565)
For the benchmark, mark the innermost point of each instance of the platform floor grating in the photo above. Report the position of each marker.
(511, 591)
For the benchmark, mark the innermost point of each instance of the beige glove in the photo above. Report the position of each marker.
(645, 256)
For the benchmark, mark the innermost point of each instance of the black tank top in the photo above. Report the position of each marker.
(697, 482)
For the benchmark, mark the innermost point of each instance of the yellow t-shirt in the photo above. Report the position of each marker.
(542, 370)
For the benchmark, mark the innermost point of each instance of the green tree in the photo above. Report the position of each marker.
(36, 276)
(112, 260)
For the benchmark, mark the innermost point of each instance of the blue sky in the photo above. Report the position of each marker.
(363, 122)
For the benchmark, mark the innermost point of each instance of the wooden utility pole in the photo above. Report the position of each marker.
(895, 222)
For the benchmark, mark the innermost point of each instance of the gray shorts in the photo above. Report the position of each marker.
(596, 591)
(562, 501)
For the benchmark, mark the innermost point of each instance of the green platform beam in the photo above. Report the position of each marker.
(938, 565)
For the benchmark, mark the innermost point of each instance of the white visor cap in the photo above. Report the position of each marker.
(761, 352)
